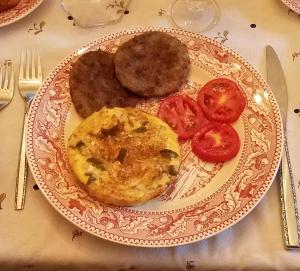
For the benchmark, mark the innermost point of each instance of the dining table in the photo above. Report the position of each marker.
(40, 238)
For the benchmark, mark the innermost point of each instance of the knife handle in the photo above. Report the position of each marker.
(288, 201)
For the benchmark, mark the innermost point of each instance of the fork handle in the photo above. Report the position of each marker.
(288, 201)
(22, 167)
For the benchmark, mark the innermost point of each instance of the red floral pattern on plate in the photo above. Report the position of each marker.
(21, 10)
(206, 198)
(293, 5)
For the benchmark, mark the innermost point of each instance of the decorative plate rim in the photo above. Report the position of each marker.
(20, 16)
(291, 4)
(163, 242)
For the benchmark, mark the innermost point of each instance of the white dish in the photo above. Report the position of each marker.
(293, 5)
(206, 199)
(24, 8)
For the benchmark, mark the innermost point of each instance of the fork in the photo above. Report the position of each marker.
(30, 80)
(6, 83)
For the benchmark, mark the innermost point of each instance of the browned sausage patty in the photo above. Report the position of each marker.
(152, 64)
(8, 4)
(93, 84)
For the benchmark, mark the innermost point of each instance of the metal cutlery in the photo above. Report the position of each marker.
(6, 83)
(30, 79)
(276, 80)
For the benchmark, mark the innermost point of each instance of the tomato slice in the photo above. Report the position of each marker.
(216, 142)
(183, 115)
(221, 100)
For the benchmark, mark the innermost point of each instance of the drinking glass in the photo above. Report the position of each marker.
(195, 15)
(89, 13)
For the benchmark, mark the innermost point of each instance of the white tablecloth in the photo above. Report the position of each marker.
(38, 238)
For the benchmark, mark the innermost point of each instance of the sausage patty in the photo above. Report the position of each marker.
(93, 84)
(152, 64)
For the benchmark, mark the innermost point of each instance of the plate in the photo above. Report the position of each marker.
(293, 5)
(18, 12)
(206, 198)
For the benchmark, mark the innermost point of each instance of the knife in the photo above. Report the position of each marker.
(290, 216)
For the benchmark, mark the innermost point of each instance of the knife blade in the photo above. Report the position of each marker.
(290, 216)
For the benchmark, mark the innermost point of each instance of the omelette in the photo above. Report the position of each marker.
(124, 156)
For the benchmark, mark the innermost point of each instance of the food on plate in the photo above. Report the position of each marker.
(124, 156)
(183, 115)
(221, 100)
(216, 142)
(93, 84)
(152, 64)
(8, 4)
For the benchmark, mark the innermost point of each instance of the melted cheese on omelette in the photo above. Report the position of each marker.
(124, 156)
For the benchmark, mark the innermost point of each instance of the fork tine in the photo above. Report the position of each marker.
(1, 74)
(39, 67)
(22, 64)
(33, 64)
(12, 79)
(6, 74)
(27, 69)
